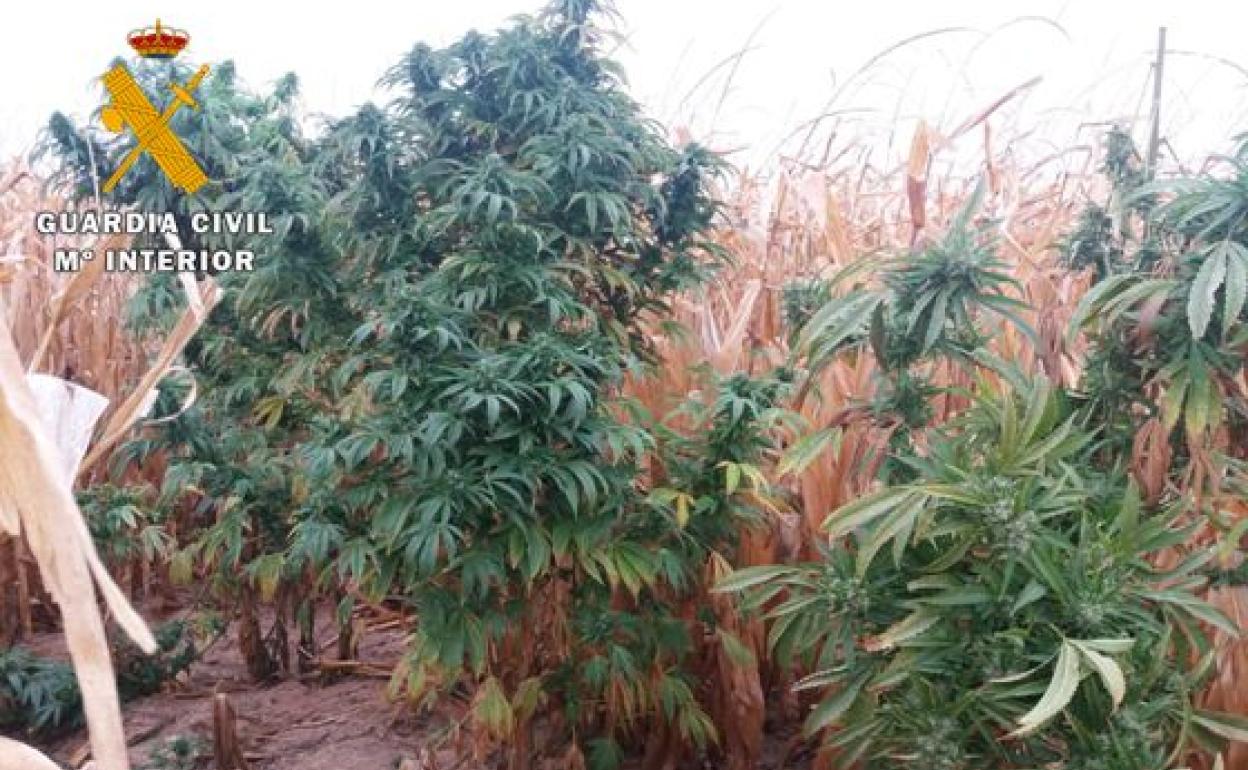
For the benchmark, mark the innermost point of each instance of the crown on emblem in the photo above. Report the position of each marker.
(158, 42)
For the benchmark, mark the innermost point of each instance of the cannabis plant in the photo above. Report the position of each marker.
(40, 695)
(412, 395)
(123, 524)
(999, 604)
(1001, 609)
(37, 695)
(1169, 334)
(512, 218)
(229, 479)
(179, 752)
(1114, 236)
(931, 305)
(799, 299)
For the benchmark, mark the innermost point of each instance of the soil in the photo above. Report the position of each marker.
(343, 723)
(313, 722)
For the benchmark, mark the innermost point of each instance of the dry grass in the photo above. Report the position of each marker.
(63, 324)
(803, 222)
(70, 326)
(797, 222)
(37, 503)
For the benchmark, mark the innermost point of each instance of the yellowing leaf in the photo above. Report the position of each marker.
(904, 630)
(492, 710)
(181, 567)
(683, 501)
(1066, 676)
(1109, 671)
(527, 698)
(268, 411)
(1172, 401)
(1233, 727)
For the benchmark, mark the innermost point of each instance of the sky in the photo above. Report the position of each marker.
(743, 76)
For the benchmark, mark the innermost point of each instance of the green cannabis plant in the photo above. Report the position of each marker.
(929, 306)
(1169, 334)
(998, 603)
(179, 752)
(474, 465)
(40, 695)
(412, 395)
(37, 695)
(1001, 609)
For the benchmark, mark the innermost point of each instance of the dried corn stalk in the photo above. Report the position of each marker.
(36, 499)
(202, 300)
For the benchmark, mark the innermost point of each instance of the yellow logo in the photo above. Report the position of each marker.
(130, 108)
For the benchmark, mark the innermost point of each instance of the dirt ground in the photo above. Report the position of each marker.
(292, 724)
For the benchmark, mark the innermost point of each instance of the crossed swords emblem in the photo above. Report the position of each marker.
(131, 108)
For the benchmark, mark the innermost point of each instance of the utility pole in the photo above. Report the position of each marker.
(1154, 133)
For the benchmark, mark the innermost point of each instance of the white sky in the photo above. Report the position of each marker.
(1094, 67)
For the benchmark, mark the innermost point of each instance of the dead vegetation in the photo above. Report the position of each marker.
(797, 228)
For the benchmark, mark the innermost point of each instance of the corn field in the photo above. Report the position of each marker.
(624, 457)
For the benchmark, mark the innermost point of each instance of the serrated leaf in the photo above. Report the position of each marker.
(1197, 608)
(732, 476)
(806, 450)
(820, 679)
(936, 322)
(749, 577)
(1096, 298)
(827, 712)
(527, 698)
(1200, 298)
(1236, 287)
(1031, 592)
(1172, 401)
(964, 595)
(878, 335)
(914, 624)
(1062, 686)
(1109, 671)
(1020, 676)
(492, 710)
(1108, 646)
(1201, 400)
(898, 524)
(864, 510)
(737, 651)
(182, 566)
(1233, 727)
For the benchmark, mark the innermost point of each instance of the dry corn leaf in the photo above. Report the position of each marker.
(916, 178)
(19, 756)
(35, 484)
(133, 407)
(73, 292)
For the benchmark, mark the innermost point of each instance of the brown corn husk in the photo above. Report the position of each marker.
(37, 500)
